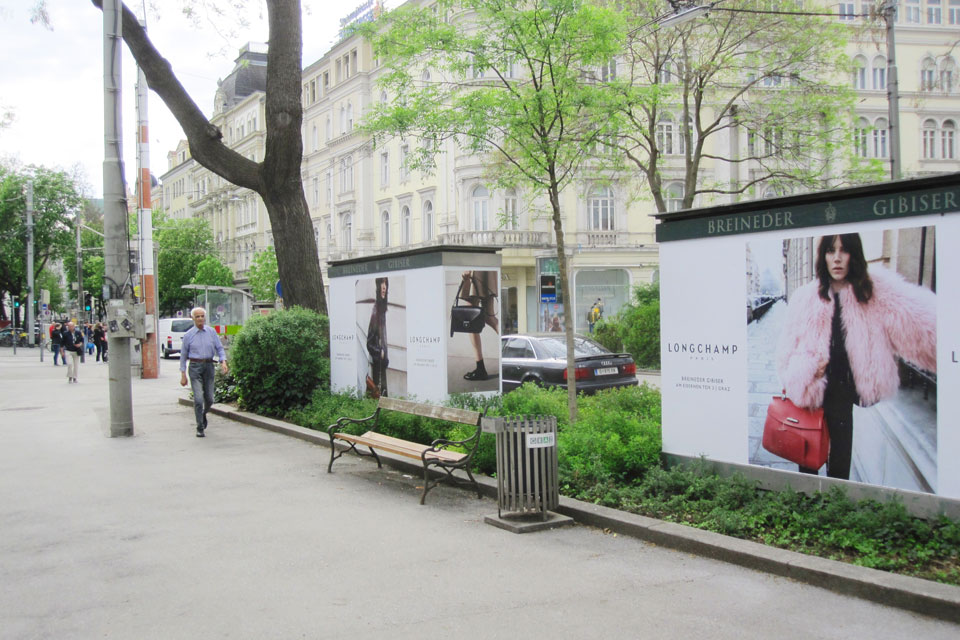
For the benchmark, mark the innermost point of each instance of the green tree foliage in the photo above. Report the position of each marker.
(213, 272)
(183, 245)
(779, 81)
(635, 328)
(506, 83)
(263, 275)
(56, 196)
(47, 280)
(278, 360)
(277, 176)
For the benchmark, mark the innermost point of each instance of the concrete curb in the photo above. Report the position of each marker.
(913, 594)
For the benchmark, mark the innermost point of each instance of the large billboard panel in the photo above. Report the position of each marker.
(857, 317)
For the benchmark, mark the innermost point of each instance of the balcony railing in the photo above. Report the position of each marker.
(496, 238)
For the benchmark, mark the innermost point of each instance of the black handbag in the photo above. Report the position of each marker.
(465, 319)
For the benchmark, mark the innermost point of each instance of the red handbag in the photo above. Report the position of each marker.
(795, 434)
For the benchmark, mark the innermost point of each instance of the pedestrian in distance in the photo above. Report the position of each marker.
(199, 347)
(845, 330)
(56, 330)
(99, 340)
(72, 341)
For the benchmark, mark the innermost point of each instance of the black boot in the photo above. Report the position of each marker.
(480, 373)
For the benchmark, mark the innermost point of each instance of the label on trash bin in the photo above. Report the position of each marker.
(540, 440)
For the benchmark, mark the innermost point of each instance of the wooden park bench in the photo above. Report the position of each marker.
(437, 454)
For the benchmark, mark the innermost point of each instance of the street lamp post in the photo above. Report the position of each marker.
(889, 12)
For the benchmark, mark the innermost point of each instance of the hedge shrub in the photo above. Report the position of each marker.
(279, 359)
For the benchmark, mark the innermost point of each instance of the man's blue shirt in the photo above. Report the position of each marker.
(203, 345)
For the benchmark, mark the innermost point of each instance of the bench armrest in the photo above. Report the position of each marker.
(344, 421)
(442, 443)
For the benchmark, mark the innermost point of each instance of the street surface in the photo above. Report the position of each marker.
(243, 534)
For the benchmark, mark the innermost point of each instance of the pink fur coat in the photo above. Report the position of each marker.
(899, 320)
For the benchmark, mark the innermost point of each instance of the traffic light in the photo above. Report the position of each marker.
(87, 301)
(16, 303)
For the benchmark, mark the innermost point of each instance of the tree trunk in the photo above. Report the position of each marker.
(567, 303)
(277, 178)
(297, 262)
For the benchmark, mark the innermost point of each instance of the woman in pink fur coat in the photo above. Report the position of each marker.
(843, 334)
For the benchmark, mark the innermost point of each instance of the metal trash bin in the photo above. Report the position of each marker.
(527, 466)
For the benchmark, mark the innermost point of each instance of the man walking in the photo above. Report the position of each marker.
(72, 341)
(55, 333)
(200, 344)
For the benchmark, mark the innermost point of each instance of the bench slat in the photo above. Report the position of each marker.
(463, 416)
(398, 446)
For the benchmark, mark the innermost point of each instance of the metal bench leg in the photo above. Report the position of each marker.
(474, 481)
(333, 450)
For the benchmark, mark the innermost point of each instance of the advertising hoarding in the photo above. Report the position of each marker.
(419, 324)
(745, 316)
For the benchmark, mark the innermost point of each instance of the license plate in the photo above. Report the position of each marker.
(606, 371)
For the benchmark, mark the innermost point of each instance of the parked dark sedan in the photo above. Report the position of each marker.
(543, 360)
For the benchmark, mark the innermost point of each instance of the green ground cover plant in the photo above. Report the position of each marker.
(611, 456)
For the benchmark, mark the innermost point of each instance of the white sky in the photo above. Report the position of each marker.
(53, 80)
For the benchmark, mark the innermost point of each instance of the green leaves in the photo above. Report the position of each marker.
(278, 360)
(213, 272)
(56, 200)
(183, 245)
(263, 275)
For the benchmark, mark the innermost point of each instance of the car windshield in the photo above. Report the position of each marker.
(557, 348)
(181, 326)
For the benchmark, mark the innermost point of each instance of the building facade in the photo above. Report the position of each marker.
(365, 200)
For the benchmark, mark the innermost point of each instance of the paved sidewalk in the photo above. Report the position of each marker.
(243, 534)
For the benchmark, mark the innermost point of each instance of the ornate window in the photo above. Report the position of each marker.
(948, 75)
(928, 75)
(385, 228)
(934, 12)
(428, 220)
(511, 216)
(346, 174)
(948, 140)
(879, 147)
(346, 232)
(879, 73)
(600, 209)
(481, 204)
(861, 137)
(859, 72)
(405, 228)
(929, 135)
(674, 196)
(665, 134)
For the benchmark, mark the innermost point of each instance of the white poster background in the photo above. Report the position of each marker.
(426, 356)
(948, 354)
(703, 348)
(705, 394)
(344, 354)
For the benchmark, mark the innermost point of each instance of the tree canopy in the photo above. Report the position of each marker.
(681, 98)
(182, 245)
(503, 80)
(213, 272)
(277, 177)
(56, 200)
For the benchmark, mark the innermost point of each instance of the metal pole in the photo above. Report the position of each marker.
(889, 9)
(116, 256)
(30, 330)
(150, 360)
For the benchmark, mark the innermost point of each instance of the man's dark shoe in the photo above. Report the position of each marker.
(199, 432)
